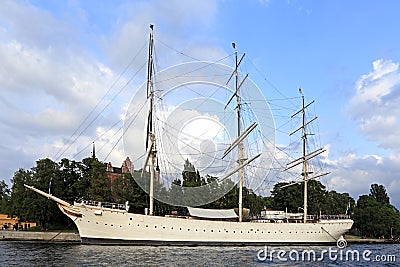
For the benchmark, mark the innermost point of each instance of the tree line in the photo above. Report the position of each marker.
(72, 180)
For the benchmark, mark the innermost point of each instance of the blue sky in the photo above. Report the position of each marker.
(60, 57)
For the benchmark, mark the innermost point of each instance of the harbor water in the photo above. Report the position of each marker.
(15, 253)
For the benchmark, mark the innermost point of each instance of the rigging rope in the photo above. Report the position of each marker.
(61, 151)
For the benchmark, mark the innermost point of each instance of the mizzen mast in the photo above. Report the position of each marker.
(305, 155)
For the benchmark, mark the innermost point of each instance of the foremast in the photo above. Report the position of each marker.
(239, 131)
(305, 155)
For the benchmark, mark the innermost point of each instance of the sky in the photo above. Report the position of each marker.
(60, 60)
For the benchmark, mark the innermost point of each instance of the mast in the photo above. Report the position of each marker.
(240, 145)
(305, 155)
(305, 172)
(150, 134)
(240, 135)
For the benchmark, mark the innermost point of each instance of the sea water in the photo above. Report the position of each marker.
(14, 253)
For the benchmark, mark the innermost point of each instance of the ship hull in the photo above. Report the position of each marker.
(110, 226)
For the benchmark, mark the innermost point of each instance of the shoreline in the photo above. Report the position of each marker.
(71, 237)
(56, 236)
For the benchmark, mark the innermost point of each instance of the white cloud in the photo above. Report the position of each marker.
(355, 174)
(375, 105)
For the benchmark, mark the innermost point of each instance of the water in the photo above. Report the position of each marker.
(55, 254)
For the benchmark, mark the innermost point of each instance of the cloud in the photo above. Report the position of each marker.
(355, 174)
(181, 24)
(375, 107)
(50, 82)
(58, 63)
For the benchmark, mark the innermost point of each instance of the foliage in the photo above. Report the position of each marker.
(374, 216)
(4, 196)
(71, 180)
(319, 200)
(379, 193)
(68, 180)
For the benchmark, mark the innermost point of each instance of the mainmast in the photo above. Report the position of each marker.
(305, 155)
(240, 135)
(150, 139)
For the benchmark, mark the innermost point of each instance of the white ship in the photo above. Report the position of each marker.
(101, 223)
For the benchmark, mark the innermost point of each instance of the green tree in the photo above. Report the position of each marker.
(29, 205)
(4, 196)
(94, 173)
(374, 216)
(379, 193)
(191, 176)
(287, 198)
(319, 199)
(75, 185)
(139, 199)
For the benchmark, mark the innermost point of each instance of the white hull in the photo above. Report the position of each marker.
(114, 226)
(98, 225)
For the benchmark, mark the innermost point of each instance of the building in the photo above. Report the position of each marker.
(115, 172)
(14, 223)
